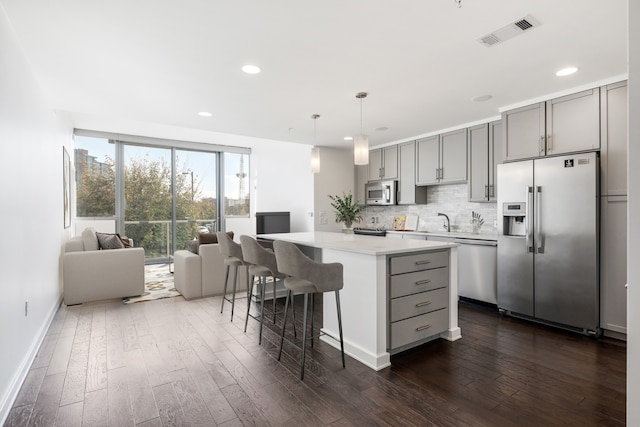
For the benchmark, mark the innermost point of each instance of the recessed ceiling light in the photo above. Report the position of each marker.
(348, 138)
(566, 71)
(205, 114)
(482, 98)
(251, 69)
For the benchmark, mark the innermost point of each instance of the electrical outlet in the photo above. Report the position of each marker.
(26, 308)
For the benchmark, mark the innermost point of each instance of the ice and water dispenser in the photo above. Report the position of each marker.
(514, 217)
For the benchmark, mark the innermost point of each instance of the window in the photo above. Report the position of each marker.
(95, 177)
(160, 193)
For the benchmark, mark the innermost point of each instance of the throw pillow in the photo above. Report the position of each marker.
(89, 239)
(109, 241)
(193, 246)
(126, 242)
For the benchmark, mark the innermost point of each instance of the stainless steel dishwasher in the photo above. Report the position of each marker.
(477, 270)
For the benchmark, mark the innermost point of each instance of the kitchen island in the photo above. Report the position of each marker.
(397, 293)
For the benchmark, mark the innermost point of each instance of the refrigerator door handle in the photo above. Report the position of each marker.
(538, 219)
(528, 231)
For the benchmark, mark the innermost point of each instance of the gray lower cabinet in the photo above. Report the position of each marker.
(418, 298)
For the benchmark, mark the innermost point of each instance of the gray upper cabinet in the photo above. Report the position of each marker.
(383, 163)
(479, 163)
(485, 154)
(562, 125)
(524, 132)
(614, 140)
(453, 146)
(408, 192)
(573, 123)
(442, 159)
(428, 160)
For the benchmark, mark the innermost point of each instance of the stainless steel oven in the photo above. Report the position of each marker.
(381, 193)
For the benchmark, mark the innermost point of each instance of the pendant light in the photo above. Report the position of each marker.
(315, 151)
(361, 142)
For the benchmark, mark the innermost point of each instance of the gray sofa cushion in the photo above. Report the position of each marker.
(89, 239)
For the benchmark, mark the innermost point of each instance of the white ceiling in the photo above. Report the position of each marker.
(160, 61)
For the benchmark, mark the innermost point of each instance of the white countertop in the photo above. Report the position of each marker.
(453, 234)
(371, 245)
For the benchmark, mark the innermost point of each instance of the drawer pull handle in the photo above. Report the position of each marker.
(422, 304)
(422, 328)
(423, 262)
(423, 282)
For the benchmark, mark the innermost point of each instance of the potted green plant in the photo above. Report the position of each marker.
(347, 210)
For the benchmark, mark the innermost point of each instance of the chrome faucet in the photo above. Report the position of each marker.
(446, 226)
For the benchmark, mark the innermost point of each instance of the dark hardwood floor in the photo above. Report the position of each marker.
(176, 362)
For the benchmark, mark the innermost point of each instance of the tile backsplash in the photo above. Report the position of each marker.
(451, 200)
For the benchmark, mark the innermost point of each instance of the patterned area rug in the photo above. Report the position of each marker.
(158, 283)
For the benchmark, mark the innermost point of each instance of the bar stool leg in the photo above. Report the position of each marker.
(340, 325)
(249, 292)
(263, 281)
(284, 323)
(313, 306)
(304, 334)
(224, 292)
(274, 300)
(233, 297)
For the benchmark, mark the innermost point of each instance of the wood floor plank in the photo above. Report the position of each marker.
(70, 415)
(97, 363)
(169, 408)
(30, 387)
(96, 409)
(61, 355)
(191, 402)
(19, 416)
(215, 401)
(46, 406)
(119, 402)
(243, 406)
(141, 397)
(76, 378)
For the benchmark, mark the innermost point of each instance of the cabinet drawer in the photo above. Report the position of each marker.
(415, 305)
(424, 261)
(418, 328)
(419, 281)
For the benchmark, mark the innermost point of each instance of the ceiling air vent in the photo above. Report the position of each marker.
(509, 31)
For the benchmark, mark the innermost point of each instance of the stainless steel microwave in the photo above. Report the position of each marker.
(381, 193)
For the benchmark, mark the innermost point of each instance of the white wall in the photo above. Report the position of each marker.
(336, 176)
(31, 216)
(633, 239)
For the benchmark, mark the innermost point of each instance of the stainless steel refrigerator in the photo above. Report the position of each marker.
(548, 240)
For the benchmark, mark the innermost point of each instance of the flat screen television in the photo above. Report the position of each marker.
(272, 222)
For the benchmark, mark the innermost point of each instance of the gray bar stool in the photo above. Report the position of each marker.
(233, 253)
(308, 277)
(262, 264)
